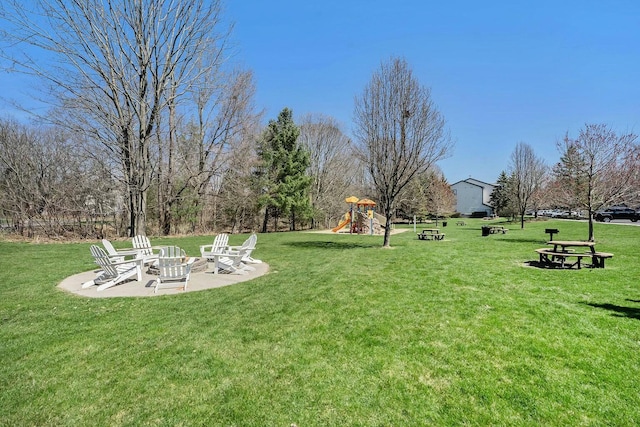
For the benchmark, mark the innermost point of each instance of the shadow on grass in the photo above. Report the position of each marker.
(523, 240)
(620, 311)
(331, 245)
(568, 266)
(538, 264)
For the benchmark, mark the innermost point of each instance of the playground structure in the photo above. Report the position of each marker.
(361, 220)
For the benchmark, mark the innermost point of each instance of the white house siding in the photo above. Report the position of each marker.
(487, 189)
(473, 196)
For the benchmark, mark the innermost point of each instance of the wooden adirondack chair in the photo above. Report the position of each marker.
(173, 267)
(142, 244)
(249, 245)
(219, 246)
(113, 272)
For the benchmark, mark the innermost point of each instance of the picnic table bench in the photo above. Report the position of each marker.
(552, 259)
(493, 229)
(431, 234)
(461, 223)
(563, 251)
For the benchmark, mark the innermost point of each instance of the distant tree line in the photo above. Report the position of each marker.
(288, 176)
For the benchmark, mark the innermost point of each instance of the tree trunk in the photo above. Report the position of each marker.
(387, 227)
(139, 213)
(591, 236)
(265, 222)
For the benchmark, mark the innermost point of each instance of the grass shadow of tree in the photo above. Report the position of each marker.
(331, 245)
(619, 311)
(522, 240)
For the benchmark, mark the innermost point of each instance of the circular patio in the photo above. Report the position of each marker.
(199, 281)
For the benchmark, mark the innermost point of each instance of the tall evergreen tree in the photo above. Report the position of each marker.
(500, 199)
(282, 175)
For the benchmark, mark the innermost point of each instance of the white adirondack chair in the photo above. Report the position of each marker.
(219, 246)
(115, 254)
(142, 245)
(249, 245)
(173, 267)
(113, 272)
(230, 262)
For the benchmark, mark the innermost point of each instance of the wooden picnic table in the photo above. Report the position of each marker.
(498, 229)
(493, 229)
(563, 250)
(565, 245)
(431, 234)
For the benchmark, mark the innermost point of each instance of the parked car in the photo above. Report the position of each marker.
(616, 212)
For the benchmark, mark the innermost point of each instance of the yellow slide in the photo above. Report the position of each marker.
(346, 221)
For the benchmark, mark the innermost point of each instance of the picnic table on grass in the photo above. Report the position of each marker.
(431, 234)
(564, 255)
(493, 229)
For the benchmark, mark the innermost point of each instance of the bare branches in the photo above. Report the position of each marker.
(600, 168)
(45, 187)
(401, 132)
(527, 174)
(331, 165)
(114, 67)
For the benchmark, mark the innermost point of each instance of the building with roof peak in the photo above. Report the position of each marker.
(473, 197)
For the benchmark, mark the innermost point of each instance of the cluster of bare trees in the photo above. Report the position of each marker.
(50, 185)
(154, 127)
(527, 178)
(428, 194)
(46, 188)
(598, 168)
(335, 171)
(141, 86)
(155, 130)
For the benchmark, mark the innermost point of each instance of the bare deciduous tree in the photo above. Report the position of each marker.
(238, 198)
(526, 177)
(428, 193)
(331, 166)
(45, 188)
(115, 67)
(602, 168)
(196, 153)
(439, 195)
(400, 131)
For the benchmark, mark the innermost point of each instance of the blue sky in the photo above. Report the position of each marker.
(501, 72)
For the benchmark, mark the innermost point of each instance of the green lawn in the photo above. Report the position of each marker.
(340, 332)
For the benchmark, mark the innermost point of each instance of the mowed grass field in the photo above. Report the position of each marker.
(340, 332)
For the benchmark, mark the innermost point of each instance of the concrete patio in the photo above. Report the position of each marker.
(199, 281)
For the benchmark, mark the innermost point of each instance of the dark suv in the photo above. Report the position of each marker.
(616, 212)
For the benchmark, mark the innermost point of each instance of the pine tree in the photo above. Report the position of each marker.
(282, 176)
(500, 198)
